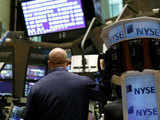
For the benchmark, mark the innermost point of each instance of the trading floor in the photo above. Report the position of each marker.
(115, 43)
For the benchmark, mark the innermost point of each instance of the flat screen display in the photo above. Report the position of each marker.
(48, 16)
(35, 72)
(6, 88)
(141, 97)
(28, 86)
(6, 72)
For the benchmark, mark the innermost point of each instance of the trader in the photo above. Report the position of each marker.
(61, 95)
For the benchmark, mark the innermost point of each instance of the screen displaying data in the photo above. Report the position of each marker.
(6, 72)
(6, 88)
(47, 16)
(35, 72)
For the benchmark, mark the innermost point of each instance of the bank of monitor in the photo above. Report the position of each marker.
(48, 16)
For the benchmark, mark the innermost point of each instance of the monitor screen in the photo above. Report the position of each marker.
(35, 72)
(141, 97)
(6, 88)
(6, 72)
(28, 86)
(48, 16)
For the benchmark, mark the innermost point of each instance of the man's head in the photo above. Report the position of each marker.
(57, 58)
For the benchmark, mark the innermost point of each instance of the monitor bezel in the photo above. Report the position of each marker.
(36, 67)
(57, 32)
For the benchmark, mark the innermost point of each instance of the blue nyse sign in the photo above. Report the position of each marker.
(142, 27)
(141, 97)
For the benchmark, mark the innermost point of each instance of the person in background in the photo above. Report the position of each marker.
(61, 95)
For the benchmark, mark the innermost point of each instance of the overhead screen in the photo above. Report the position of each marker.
(48, 16)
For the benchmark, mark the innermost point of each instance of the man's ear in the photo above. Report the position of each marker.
(49, 63)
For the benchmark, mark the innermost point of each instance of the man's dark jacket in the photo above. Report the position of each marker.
(60, 95)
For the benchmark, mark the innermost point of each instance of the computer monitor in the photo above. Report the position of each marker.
(6, 73)
(35, 72)
(139, 93)
(6, 88)
(48, 16)
(28, 86)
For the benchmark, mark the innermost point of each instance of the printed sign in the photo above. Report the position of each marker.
(141, 97)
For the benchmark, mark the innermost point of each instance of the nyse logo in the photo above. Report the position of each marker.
(147, 112)
(144, 90)
(143, 112)
(140, 91)
(148, 31)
